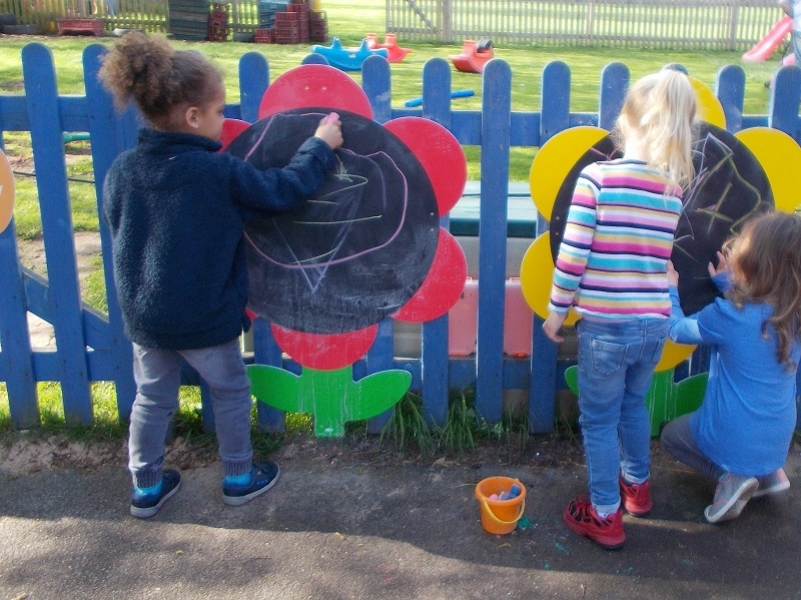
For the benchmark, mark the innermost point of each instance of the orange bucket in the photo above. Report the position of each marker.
(500, 516)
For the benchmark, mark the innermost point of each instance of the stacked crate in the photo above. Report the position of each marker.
(267, 11)
(318, 26)
(290, 23)
(264, 36)
(188, 20)
(287, 28)
(301, 8)
(218, 22)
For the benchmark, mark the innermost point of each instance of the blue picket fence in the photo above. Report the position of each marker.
(92, 346)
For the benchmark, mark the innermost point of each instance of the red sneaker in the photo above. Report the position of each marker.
(636, 497)
(581, 517)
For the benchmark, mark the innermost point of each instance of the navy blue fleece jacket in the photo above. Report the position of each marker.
(176, 208)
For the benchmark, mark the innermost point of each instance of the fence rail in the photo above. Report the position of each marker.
(92, 347)
(674, 24)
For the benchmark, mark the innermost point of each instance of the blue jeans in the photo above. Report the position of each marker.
(616, 361)
(158, 377)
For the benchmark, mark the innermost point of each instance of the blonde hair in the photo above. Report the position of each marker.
(765, 261)
(157, 77)
(661, 109)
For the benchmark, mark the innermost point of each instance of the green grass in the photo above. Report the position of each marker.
(350, 21)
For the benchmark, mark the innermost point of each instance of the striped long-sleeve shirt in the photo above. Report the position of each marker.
(612, 261)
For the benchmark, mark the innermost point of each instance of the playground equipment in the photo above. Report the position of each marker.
(394, 52)
(454, 94)
(768, 44)
(347, 59)
(473, 57)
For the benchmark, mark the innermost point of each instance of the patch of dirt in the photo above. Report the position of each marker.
(29, 452)
(32, 256)
(87, 248)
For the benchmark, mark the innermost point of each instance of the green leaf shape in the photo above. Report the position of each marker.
(666, 399)
(331, 396)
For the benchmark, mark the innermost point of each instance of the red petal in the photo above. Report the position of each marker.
(314, 86)
(442, 286)
(230, 130)
(440, 154)
(326, 352)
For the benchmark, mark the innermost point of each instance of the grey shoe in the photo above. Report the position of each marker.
(731, 495)
(772, 484)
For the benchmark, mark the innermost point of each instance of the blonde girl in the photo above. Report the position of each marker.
(612, 269)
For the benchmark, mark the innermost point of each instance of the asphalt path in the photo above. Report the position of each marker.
(399, 531)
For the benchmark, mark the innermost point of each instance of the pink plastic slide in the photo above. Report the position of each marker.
(770, 42)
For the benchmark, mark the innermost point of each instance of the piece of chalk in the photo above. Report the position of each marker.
(331, 118)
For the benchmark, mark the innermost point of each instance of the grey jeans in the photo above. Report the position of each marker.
(157, 374)
(677, 439)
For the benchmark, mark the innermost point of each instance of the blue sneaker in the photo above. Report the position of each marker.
(263, 476)
(144, 506)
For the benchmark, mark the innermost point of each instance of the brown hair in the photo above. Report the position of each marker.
(765, 260)
(158, 77)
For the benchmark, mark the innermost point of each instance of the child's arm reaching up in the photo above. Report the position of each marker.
(683, 330)
(721, 275)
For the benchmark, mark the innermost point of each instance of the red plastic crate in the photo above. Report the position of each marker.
(287, 39)
(288, 28)
(318, 33)
(91, 26)
(287, 17)
(264, 36)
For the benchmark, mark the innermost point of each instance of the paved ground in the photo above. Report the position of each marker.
(351, 530)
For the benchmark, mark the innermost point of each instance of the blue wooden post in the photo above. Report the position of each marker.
(730, 90)
(64, 298)
(615, 79)
(437, 107)
(376, 83)
(542, 390)
(109, 133)
(16, 358)
(381, 358)
(495, 145)
(267, 352)
(784, 99)
(314, 59)
(254, 78)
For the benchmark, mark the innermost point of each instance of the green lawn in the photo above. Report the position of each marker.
(527, 63)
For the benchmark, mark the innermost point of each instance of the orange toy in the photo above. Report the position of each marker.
(395, 52)
(473, 57)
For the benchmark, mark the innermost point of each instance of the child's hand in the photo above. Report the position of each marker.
(330, 131)
(673, 274)
(723, 265)
(552, 326)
